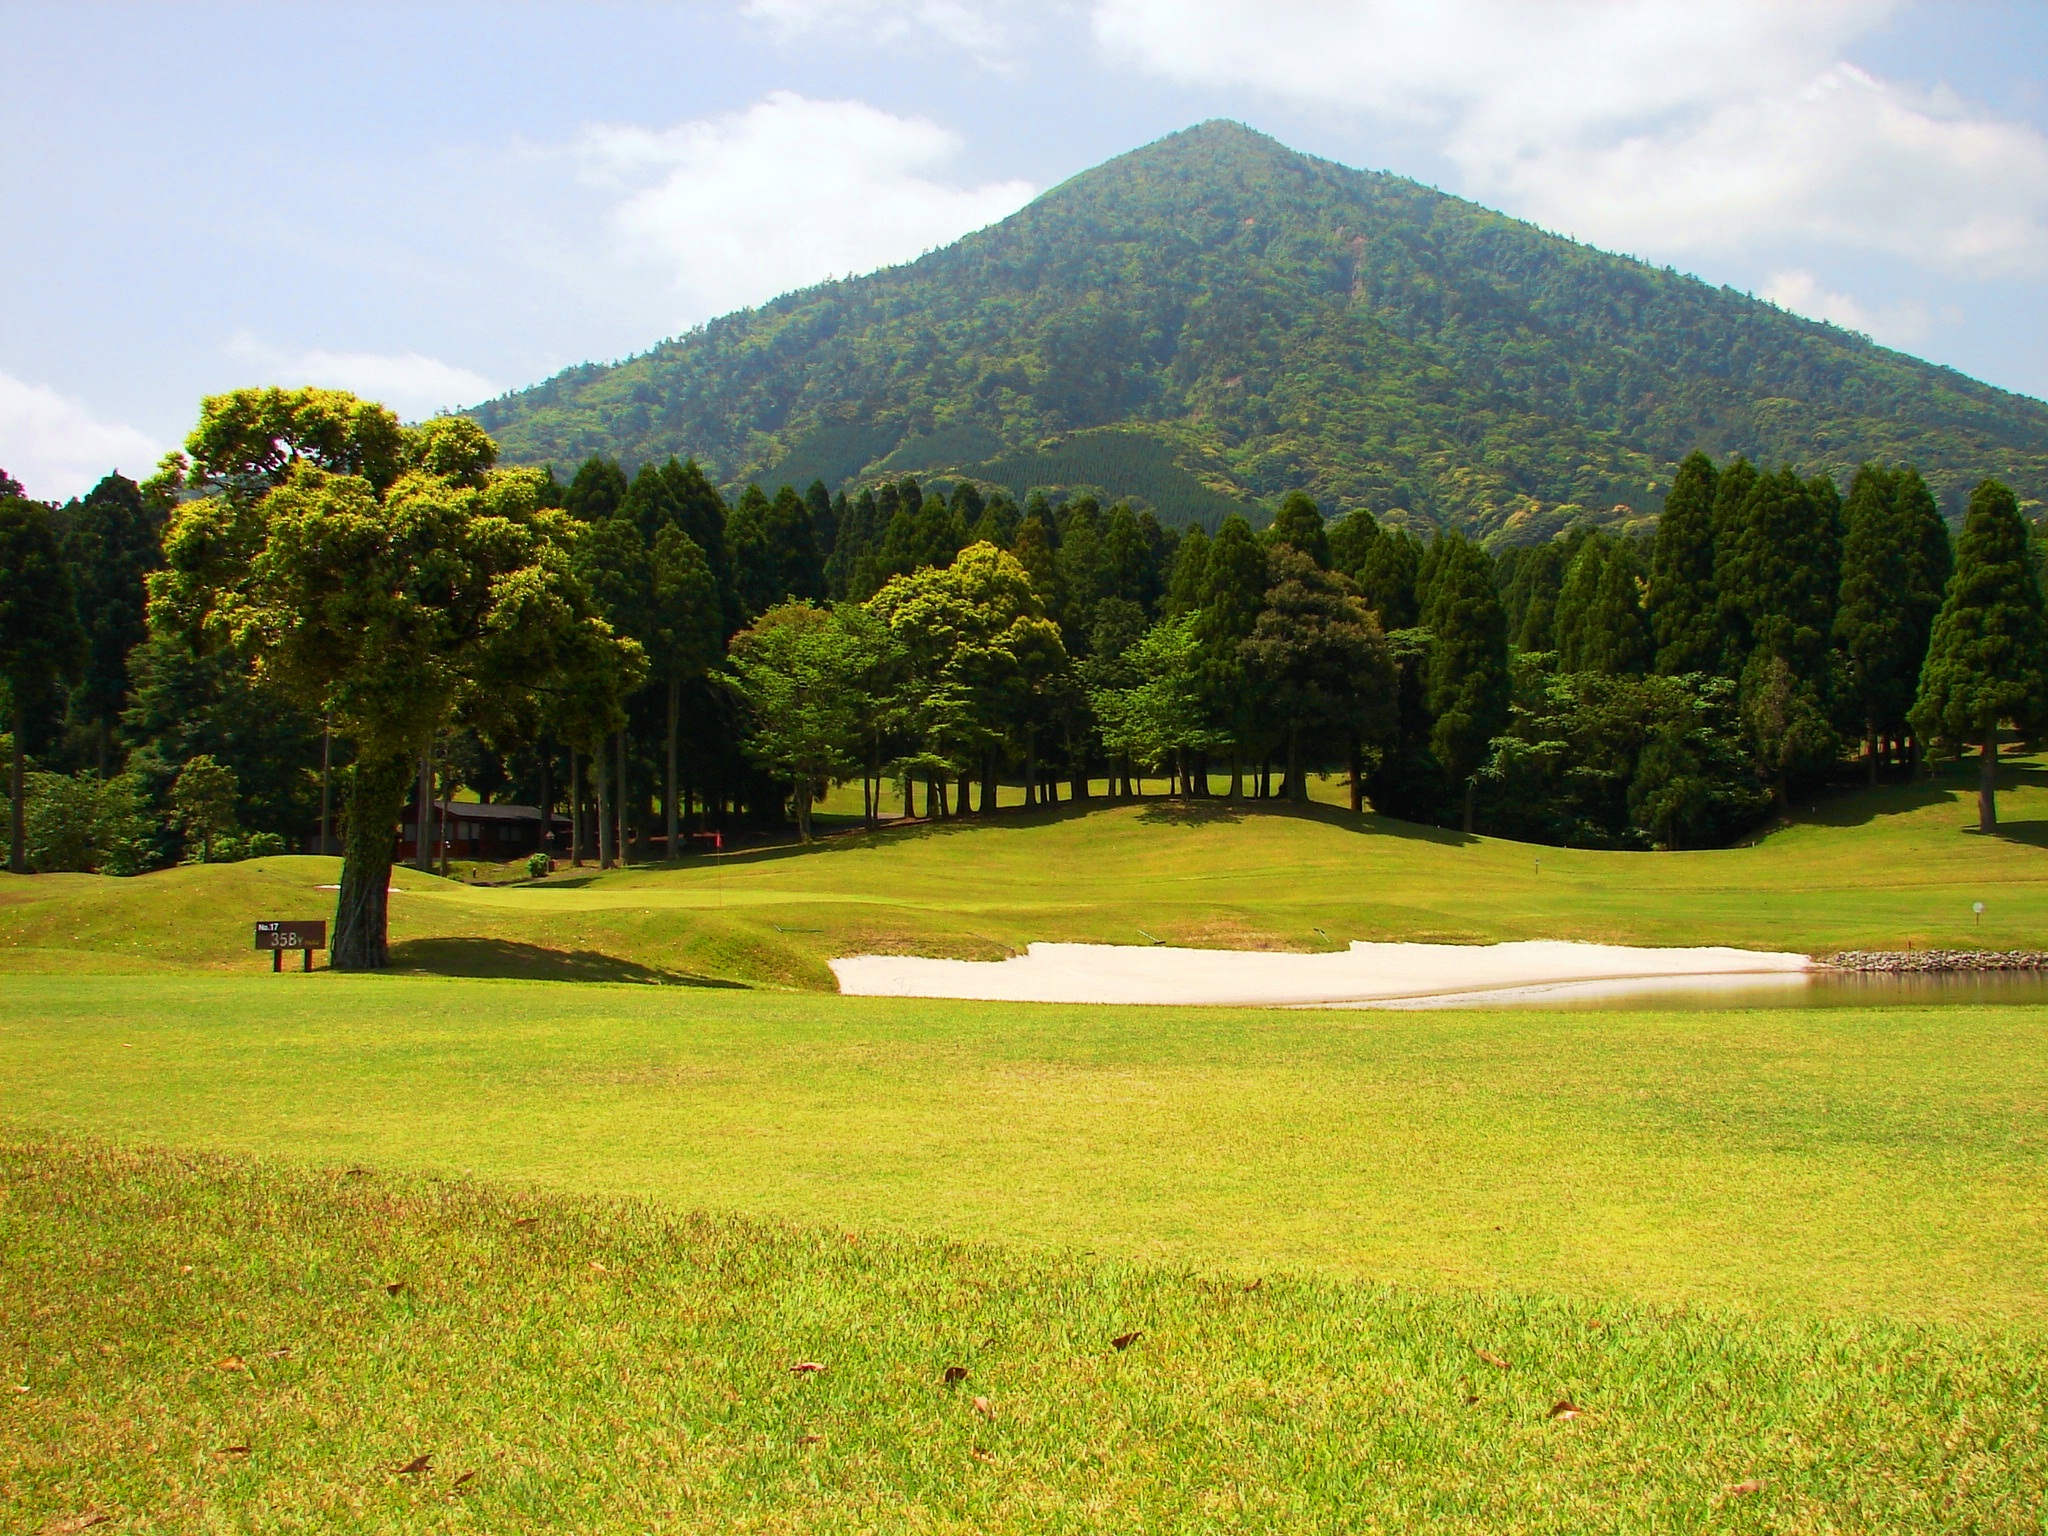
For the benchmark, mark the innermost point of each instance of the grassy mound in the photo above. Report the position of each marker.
(1891, 869)
(206, 1343)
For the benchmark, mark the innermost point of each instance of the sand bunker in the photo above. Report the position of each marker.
(1365, 975)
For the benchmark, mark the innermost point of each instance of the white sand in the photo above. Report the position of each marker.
(1366, 975)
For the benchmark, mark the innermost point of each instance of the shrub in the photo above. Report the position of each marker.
(83, 825)
(538, 864)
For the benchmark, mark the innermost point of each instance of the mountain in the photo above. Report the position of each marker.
(1213, 320)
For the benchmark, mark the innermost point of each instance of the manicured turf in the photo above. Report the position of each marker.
(1895, 868)
(195, 1344)
(1865, 1160)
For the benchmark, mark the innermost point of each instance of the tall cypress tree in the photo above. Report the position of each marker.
(597, 490)
(1683, 618)
(1390, 577)
(1987, 660)
(702, 512)
(1233, 591)
(1352, 538)
(1468, 672)
(1892, 581)
(110, 544)
(1299, 525)
(1731, 494)
(1533, 588)
(40, 641)
(1600, 621)
(1190, 571)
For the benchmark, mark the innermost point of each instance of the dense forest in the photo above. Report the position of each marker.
(1213, 321)
(315, 600)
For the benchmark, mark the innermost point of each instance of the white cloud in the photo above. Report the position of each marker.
(412, 385)
(1660, 126)
(56, 447)
(1900, 325)
(788, 192)
(983, 30)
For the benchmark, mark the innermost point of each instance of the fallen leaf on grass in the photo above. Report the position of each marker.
(393, 1287)
(85, 1520)
(1596, 1323)
(1256, 1284)
(806, 1368)
(231, 1450)
(1126, 1340)
(1747, 1485)
(355, 1173)
(282, 1352)
(184, 1269)
(23, 1388)
(811, 1440)
(1565, 1408)
(980, 1455)
(984, 1407)
(526, 1221)
(597, 1268)
(955, 1374)
(231, 1363)
(461, 1478)
(1491, 1359)
(1471, 1398)
(417, 1465)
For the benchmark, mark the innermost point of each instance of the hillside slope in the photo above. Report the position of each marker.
(1214, 318)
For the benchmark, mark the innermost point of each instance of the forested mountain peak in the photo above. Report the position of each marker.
(1213, 320)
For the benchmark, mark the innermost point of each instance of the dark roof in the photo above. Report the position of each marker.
(470, 810)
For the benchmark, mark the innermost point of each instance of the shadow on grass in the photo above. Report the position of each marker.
(500, 958)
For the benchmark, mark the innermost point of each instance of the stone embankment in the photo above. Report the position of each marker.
(1901, 962)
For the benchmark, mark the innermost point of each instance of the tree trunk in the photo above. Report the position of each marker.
(600, 775)
(990, 784)
(1030, 767)
(547, 798)
(909, 799)
(423, 825)
(1870, 739)
(1297, 785)
(327, 790)
(802, 796)
(668, 801)
(1236, 773)
(376, 800)
(1471, 786)
(575, 810)
(624, 811)
(1357, 780)
(17, 812)
(1987, 783)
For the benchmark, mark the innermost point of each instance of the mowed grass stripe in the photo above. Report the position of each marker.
(213, 1343)
(1859, 1161)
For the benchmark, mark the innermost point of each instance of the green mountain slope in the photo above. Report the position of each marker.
(1215, 319)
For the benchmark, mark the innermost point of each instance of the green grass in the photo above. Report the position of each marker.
(1858, 1161)
(1895, 868)
(198, 1344)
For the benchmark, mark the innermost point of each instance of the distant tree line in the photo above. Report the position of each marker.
(314, 613)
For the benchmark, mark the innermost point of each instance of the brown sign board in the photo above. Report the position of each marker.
(278, 935)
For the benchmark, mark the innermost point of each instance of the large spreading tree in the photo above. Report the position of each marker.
(1987, 660)
(387, 577)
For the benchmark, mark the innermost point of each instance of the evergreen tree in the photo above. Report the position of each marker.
(1731, 645)
(1468, 670)
(1351, 540)
(1684, 616)
(110, 544)
(1299, 525)
(1531, 594)
(858, 524)
(824, 515)
(1390, 577)
(1130, 557)
(40, 642)
(703, 513)
(1190, 571)
(1777, 582)
(1891, 591)
(1600, 624)
(793, 547)
(1233, 592)
(755, 573)
(1987, 658)
(1034, 551)
(597, 491)
(1318, 660)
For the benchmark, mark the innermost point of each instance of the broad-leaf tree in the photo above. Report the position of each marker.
(800, 681)
(1987, 660)
(383, 576)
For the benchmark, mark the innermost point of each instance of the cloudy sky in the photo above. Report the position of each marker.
(432, 203)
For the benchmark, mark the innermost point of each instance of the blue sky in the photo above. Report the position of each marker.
(431, 203)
